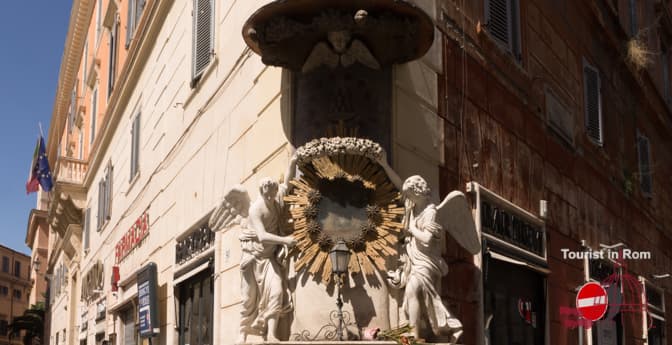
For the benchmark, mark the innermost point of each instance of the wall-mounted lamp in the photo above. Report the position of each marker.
(340, 257)
(36, 265)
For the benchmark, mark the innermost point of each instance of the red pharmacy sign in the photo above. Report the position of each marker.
(591, 301)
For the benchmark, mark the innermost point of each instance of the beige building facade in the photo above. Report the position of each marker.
(170, 139)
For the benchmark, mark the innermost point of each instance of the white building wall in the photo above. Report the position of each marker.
(197, 143)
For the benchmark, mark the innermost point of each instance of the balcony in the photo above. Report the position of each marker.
(70, 170)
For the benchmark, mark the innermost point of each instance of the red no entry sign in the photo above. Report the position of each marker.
(591, 301)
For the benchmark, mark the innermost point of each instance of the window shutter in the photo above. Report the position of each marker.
(591, 79)
(101, 203)
(108, 193)
(633, 17)
(498, 14)
(140, 6)
(135, 145)
(202, 40)
(87, 225)
(666, 75)
(133, 130)
(644, 153)
(130, 23)
(94, 111)
(73, 108)
(112, 70)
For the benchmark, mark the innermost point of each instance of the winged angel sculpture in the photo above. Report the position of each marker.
(341, 50)
(262, 267)
(423, 265)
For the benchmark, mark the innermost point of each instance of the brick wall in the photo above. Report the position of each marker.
(497, 134)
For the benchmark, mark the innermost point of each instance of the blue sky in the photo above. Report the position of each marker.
(32, 35)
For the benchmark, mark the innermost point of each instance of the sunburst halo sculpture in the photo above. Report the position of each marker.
(343, 193)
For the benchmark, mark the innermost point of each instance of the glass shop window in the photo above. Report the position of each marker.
(129, 329)
(196, 300)
(515, 304)
(656, 316)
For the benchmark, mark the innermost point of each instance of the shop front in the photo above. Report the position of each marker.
(194, 286)
(514, 268)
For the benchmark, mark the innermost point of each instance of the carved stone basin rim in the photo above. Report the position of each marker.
(283, 32)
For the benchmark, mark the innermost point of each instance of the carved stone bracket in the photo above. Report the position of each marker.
(63, 212)
(284, 32)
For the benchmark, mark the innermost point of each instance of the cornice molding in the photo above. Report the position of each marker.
(80, 17)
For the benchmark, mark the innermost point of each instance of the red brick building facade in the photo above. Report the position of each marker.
(519, 98)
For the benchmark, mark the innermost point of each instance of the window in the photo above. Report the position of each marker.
(202, 37)
(99, 21)
(135, 146)
(17, 269)
(4, 290)
(195, 310)
(86, 64)
(592, 102)
(114, 33)
(105, 197)
(5, 264)
(81, 145)
(73, 109)
(665, 57)
(515, 304)
(135, 8)
(3, 327)
(94, 112)
(656, 315)
(17, 294)
(633, 17)
(503, 23)
(129, 330)
(87, 228)
(644, 155)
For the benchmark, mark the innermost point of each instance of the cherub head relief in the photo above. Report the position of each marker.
(268, 189)
(342, 49)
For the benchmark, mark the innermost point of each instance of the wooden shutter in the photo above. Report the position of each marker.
(130, 26)
(644, 153)
(666, 75)
(593, 106)
(499, 21)
(73, 108)
(203, 37)
(135, 145)
(94, 111)
(112, 68)
(108, 191)
(633, 17)
(101, 204)
(87, 226)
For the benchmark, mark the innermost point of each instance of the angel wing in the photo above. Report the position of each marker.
(359, 52)
(320, 55)
(231, 210)
(454, 214)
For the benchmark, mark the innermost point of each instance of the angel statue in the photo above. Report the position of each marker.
(423, 265)
(264, 292)
(341, 50)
